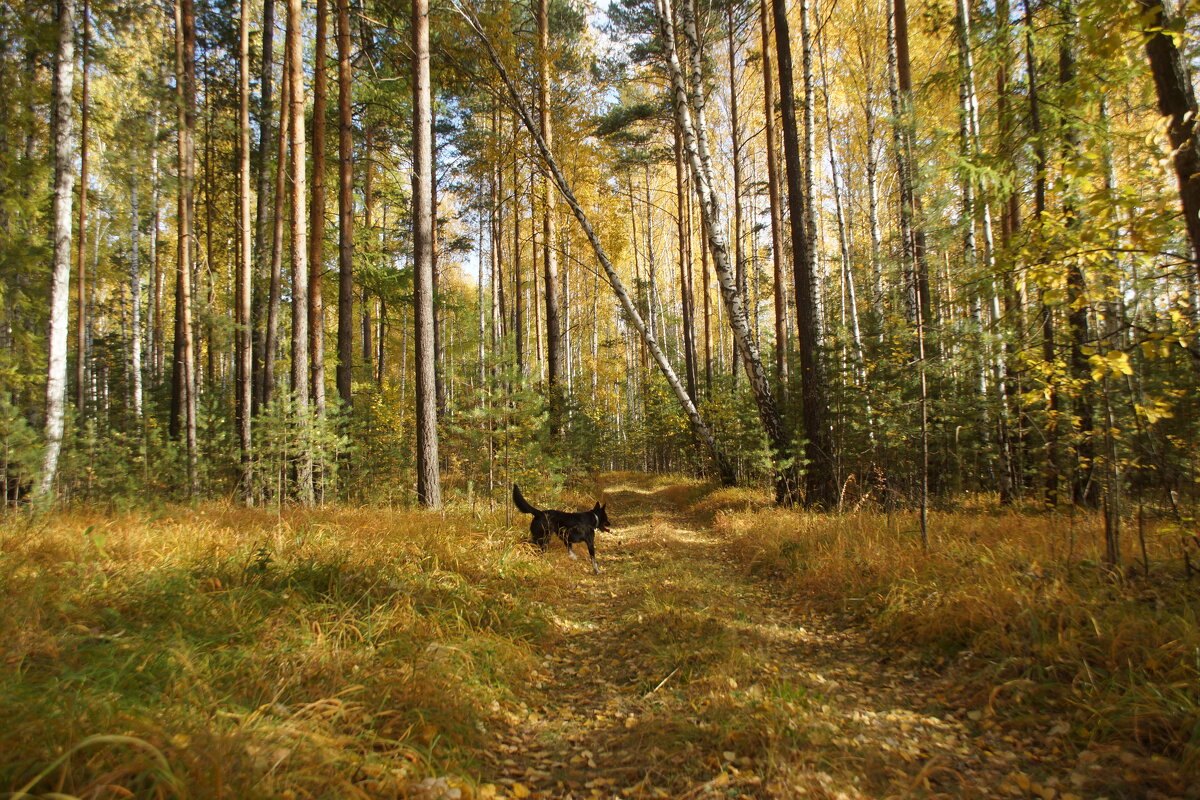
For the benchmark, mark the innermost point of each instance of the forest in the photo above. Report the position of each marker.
(871, 324)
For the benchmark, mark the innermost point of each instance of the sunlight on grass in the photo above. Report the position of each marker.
(1026, 596)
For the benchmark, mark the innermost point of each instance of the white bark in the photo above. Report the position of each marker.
(696, 146)
(135, 294)
(64, 185)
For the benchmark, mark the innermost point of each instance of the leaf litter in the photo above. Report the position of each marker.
(676, 675)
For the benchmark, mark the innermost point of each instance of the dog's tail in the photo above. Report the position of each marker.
(523, 504)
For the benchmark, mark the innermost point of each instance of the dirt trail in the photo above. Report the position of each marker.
(676, 675)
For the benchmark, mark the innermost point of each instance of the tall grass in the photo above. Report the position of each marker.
(249, 654)
(1023, 601)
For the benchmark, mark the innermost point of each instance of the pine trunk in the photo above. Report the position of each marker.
(554, 348)
(262, 216)
(316, 216)
(820, 483)
(275, 290)
(245, 272)
(81, 339)
(185, 54)
(775, 197)
(429, 492)
(345, 209)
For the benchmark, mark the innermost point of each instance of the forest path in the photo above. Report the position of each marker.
(678, 675)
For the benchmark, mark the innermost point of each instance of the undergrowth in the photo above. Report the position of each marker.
(248, 654)
(1021, 603)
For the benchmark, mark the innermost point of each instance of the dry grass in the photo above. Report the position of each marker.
(1022, 600)
(328, 653)
(223, 652)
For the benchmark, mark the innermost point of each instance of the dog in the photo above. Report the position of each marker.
(572, 528)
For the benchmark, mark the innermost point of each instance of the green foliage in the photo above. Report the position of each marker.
(288, 433)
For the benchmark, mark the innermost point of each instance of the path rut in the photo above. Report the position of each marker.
(676, 674)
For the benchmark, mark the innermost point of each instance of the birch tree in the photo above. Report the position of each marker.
(60, 283)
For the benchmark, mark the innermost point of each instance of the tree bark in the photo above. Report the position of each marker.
(261, 356)
(429, 492)
(368, 225)
(156, 277)
(696, 146)
(275, 290)
(135, 293)
(912, 231)
(81, 341)
(316, 215)
(518, 293)
(301, 361)
(735, 133)
(60, 285)
(245, 271)
(809, 163)
(345, 209)
(685, 277)
(1085, 489)
(1176, 100)
(775, 197)
(820, 483)
(554, 348)
(185, 350)
(1040, 165)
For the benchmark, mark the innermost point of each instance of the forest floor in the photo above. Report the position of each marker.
(727, 649)
(682, 675)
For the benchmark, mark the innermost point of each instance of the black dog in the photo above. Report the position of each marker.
(571, 528)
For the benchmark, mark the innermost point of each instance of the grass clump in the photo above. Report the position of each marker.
(249, 654)
(1025, 599)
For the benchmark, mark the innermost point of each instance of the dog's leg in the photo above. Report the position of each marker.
(591, 545)
(565, 535)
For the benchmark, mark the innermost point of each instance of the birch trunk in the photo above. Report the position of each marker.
(696, 146)
(135, 293)
(685, 278)
(842, 226)
(739, 258)
(808, 109)
(60, 285)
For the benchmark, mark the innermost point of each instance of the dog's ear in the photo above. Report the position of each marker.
(604, 506)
